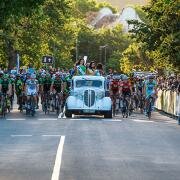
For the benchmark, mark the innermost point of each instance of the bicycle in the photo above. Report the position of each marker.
(57, 102)
(115, 104)
(124, 106)
(150, 102)
(4, 104)
(141, 102)
(46, 102)
(30, 106)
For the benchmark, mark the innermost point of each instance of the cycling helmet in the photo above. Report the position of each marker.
(33, 76)
(43, 75)
(57, 74)
(1, 73)
(116, 77)
(6, 76)
(150, 77)
(125, 77)
(48, 75)
(18, 75)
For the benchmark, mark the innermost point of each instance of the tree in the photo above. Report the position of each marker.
(160, 34)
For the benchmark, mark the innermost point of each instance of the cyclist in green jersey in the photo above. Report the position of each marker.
(6, 85)
(57, 84)
(57, 89)
(18, 89)
(45, 85)
(6, 88)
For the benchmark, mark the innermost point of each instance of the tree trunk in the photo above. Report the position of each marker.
(12, 54)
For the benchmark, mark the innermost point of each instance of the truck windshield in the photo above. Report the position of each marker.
(89, 83)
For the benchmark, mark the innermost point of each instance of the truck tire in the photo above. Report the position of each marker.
(108, 114)
(68, 113)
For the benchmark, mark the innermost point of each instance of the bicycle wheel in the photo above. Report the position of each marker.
(124, 108)
(57, 106)
(32, 106)
(149, 108)
(4, 109)
(141, 104)
(20, 103)
(113, 106)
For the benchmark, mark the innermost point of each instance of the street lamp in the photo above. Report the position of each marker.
(105, 54)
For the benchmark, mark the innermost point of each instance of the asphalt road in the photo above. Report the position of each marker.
(89, 148)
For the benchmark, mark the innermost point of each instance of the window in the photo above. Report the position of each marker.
(89, 83)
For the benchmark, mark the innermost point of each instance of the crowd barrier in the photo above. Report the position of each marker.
(169, 102)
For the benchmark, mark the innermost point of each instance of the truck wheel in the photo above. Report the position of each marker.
(68, 113)
(108, 114)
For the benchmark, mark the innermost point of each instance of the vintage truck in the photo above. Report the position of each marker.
(88, 96)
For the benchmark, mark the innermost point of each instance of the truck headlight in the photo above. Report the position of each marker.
(100, 95)
(78, 95)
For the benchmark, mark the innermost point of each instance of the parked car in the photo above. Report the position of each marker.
(88, 95)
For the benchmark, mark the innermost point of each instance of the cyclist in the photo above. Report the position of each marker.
(18, 89)
(32, 88)
(6, 88)
(150, 90)
(12, 79)
(46, 82)
(31, 70)
(126, 90)
(1, 75)
(114, 87)
(57, 86)
(139, 88)
(125, 87)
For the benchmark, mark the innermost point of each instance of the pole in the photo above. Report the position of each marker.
(76, 49)
(18, 63)
(54, 60)
(105, 58)
(100, 53)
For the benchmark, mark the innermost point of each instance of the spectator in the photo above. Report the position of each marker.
(99, 70)
(91, 69)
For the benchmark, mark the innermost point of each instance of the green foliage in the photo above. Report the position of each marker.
(160, 33)
(91, 43)
(141, 13)
(49, 30)
(52, 27)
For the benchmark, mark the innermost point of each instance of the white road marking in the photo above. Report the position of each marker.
(47, 119)
(21, 135)
(171, 122)
(16, 119)
(57, 166)
(80, 119)
(51, 135)
(112, 120)
(146, 121)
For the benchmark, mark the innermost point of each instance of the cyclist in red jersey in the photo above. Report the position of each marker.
(125, 87)
(114, 93)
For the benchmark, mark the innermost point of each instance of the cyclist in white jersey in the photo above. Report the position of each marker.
(32, 88)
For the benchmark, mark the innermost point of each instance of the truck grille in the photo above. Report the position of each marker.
(89, 97)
